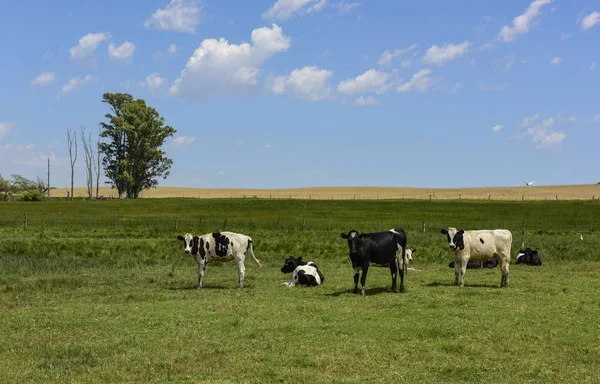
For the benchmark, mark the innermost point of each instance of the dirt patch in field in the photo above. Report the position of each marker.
(559, 192)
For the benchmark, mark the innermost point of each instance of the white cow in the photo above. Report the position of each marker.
(219, 246)
(479, 245)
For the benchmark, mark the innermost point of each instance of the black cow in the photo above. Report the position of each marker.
(303, 273)
(382, 248)
(491, 263)
(529, 256)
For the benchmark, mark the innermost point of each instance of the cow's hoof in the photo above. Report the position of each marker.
(355, 291)
(394, 291)
(362, 292)
(401, 290)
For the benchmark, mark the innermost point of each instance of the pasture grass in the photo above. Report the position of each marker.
(88, 304)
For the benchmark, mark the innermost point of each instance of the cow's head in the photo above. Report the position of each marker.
(528, 256)
(188, 240)
(455, 238)
(354, 240)
(409, 252)
(290, 264)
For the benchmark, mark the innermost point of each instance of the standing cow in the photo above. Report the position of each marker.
(219, 246)
(386, 248)
(479, 245)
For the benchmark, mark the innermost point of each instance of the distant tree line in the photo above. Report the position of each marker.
(128, 150)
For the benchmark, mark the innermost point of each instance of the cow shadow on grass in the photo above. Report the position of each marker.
(368, 292)
(205, 287)
(451, 284)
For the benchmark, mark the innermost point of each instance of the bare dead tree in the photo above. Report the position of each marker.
(89, 161)
(72, 146)
(97, 164)
(48, 178)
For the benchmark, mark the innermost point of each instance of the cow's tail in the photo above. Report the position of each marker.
(252, 253)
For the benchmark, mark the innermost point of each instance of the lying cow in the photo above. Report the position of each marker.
(529, 256)
(479, 246)
(381, 248)
(491, 263)
(303, 273)
(219, 246)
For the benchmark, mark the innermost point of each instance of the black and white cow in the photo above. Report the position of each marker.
(303, 273)
(479, 245)
(219, 246)
(386, 248)
(491, 263)
(529, 256)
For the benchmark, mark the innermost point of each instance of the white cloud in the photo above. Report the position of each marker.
(369, 100)
(287, 9)
(219, 67)
(419, 82)
(370, 81)
(521, 23)
(438, 55)
(590, 20)
(485, 86)
(564, 36)
(487, 47)
(122, 53)
(528, 120)
(556, 60)
(543, 138)
(5, 128)
(308, 83)
(497, 128)
(75, 83)
(44, 79)
(593, 66)
(387, 56)
(88, 44)
(172, 48)
(155, 83)
(597, 118)
(178, 16)
(184, 140)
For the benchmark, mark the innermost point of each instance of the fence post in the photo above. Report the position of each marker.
(303, 224)
(329, 225)
(225, 223)
(25, 221)
(523, 229)
(423, 226)
(176, 222)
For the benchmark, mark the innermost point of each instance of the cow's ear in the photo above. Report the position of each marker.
(299, 259)
(180, 238)
(461, 232)
(444, 232)
(414, 250)
(196, 238)
(344, 235)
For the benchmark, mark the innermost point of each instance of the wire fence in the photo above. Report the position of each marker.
(201, 224)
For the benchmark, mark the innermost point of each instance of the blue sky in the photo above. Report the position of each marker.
(300, 93)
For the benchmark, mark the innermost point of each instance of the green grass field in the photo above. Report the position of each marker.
(83, 300)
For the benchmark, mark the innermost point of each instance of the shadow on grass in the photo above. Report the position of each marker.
(205, 287)
(368, 292)
(440, 284)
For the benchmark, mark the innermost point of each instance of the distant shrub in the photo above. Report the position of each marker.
(32, 196)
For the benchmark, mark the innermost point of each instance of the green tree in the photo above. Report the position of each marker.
(131, 153)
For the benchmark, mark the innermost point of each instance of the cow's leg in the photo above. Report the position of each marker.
(201, 268)
(363, 278)
(241, 272)
(401, 271)
(394, 271)
(504, 268)
(463, 269)
(356, 273)
(457, 264)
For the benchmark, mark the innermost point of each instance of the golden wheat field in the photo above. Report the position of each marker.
(558, 192)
